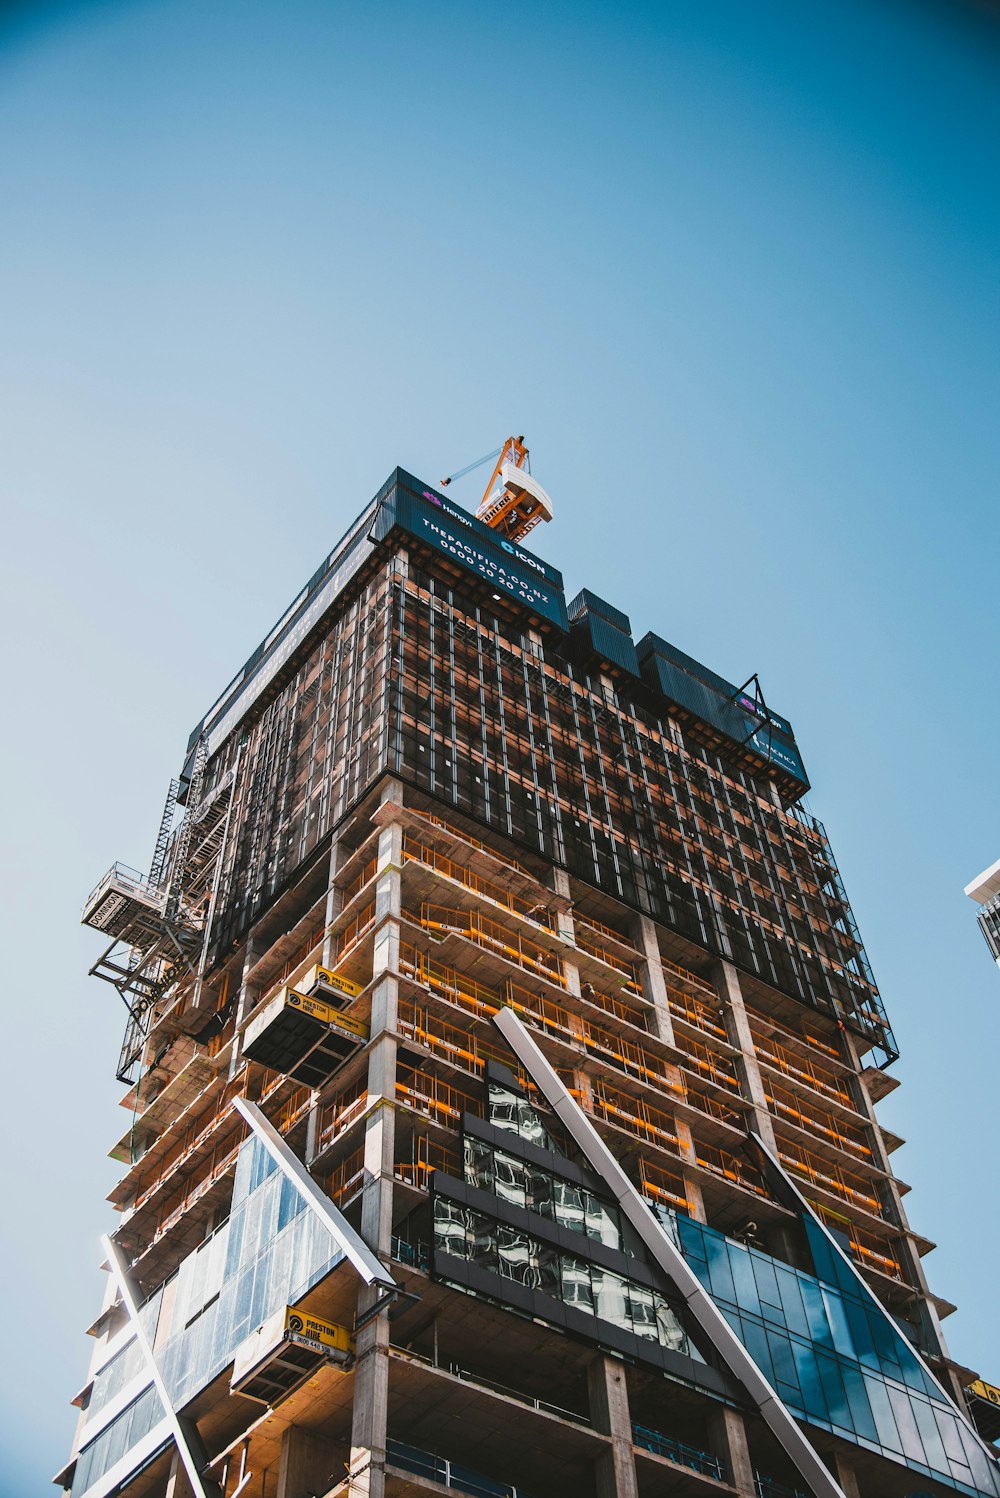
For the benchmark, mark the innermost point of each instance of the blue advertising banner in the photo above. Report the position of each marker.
(507, 567)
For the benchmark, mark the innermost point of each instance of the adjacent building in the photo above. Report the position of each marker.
(985, 890)
(501, 1070)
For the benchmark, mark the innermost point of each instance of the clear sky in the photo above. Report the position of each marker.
(732, 269)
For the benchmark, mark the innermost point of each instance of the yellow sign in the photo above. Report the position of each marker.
(326, 1013)
(985, 1391)
(334, 980)
(327, 1333)
(315, 1008)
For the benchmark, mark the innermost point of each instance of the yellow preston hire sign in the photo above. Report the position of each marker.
(985, 1391)
(326, 1013)
(313, 1329)
(345, 986)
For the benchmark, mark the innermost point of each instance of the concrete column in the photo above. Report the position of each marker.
(843, 1470)
(609, 1412)
(331, 903)
(178, 1483)
(728, 1435)
(692, 1189)
(727, 983)
(308, 1464)
(366, 1473)
(654, 987)
(371, 1373)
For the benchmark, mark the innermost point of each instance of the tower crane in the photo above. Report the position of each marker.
(514, 502)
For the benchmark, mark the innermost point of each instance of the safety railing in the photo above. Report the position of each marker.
(805, 1038)
(629, 1057)
(294, 1107)
(633, 1114)
(197, 1185)
(347, 1178)
(339, 1112)
(192, 1140)
(732, 1167)
(459, 1046)
(422, 853)
(800, 1068)
(684, 1006)
(719, 1069)
(678, 1451)
(438, 1100)
(352, 933)
(492, 937)
(830, 1177)
(448, 1473)
(425, 1156)
(714, 1107)
(359, 881)
(602, 929)
(662, 1185)
(467, 837)
(785, 1104)
(592, 944)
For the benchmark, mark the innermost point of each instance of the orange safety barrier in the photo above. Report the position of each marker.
(831, 1177)
(353, 933)
(784, 1104)
(195, 1185)
(456, 1045)
(871, 1251)
(662, 1185)
(537, 1011)
(292, 1109)
(633, 1114)
(467, 837)
(430, 858)
(340, 1112)
(694, 1012)
(735, 1169)
(358, 883)
(588, 943)
(599, 926)
(347, 1178)
(426, 1156)
(721, 1069)
(438, 1100)
(493, 937)
(801, 1069)
(755, 1018)
(197, 1134)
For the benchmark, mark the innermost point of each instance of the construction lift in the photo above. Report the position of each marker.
(514, 502)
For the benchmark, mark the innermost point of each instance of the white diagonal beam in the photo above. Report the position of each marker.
(671, 1261)
(371, 1269)
(185, 1432)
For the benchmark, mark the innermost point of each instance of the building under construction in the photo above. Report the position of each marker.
(501, 1061)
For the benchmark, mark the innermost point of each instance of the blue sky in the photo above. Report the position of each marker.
(733, 271)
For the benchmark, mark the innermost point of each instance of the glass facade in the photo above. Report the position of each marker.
(126, 1430)
(834, 1356)
(269, 1252)
(538, 1190)
(513, 1254)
